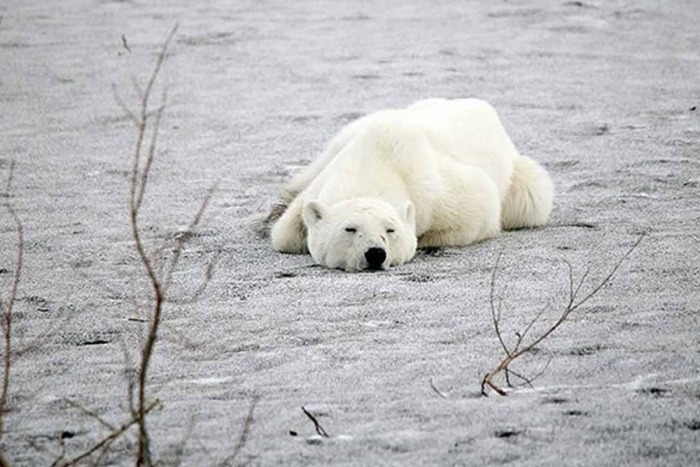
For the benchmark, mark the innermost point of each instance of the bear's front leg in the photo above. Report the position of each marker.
(288, 234)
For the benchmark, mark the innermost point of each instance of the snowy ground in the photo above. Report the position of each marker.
(602, 92)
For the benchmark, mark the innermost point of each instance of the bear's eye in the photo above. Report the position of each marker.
(390, 231)
(350, 229)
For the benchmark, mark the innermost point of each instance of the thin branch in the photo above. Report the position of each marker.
(145, 171)
(605, 281)
(243, 436)
(503, 365)
(437, 391)
(197, 294)
(125, 44)
(523, 334)
(129, 375)
(135, 198)
(496, 314)
(103, 452)
(580, 283)
(8, 306)
(110, 438)
(91, 414)
(180, 448)
(144, 154)
(122, 105)
(542, 371)
(508, 372)
(156, 70)
(319, 428)
(185, 236)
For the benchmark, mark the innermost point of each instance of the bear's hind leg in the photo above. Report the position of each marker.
(530, 196)
(288, 234)
(471, 213)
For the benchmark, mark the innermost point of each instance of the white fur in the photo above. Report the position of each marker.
(442, 172)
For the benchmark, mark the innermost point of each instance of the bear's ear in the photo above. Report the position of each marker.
(313, 212)
(409, 214)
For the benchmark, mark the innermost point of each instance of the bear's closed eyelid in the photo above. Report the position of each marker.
(390, 230)
(350, 229)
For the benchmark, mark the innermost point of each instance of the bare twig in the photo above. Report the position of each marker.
(7, 306)
(159, 281)
(125, 44)
(319, 428)
(496, 314)
(139, 179)
(91, 414)
(199, 291)
(243, 435)
(573, 304)
(106, 441)
(437, 391)
(180, 448)
(184, 237)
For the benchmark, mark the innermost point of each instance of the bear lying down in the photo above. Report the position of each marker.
(438, 173)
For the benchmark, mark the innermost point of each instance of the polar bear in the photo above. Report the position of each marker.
(438, 173)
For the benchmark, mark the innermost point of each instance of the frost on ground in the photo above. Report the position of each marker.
(605, 94)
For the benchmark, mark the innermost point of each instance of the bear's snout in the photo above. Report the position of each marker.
(375, 258)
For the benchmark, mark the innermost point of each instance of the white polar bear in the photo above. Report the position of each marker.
(438, 173)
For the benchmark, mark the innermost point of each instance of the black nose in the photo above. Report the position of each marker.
(375, 257)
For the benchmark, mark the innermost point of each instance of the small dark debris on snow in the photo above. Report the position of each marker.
(366, 76)
(293, 433)
(694, 108)
(575, 413)
(555, 400)
(693, 425)
(586, 350)
(506, 433)
(93, 342)
(576, 225)
(125, 44)
(654, 392)
(418, 278)
(67, 435)
(4, 271)
(284, 274)
(602, 130)
(349, 116)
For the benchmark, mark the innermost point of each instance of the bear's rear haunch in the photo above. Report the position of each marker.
(438, 173)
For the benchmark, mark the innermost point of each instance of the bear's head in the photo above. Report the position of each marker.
(360, 234)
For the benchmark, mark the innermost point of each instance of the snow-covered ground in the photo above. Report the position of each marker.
(603, 93)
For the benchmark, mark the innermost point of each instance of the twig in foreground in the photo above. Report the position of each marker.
(517, 352)
(319, 428)
(106, 441)
(243, 436)
(437, 391)
(7, 306)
